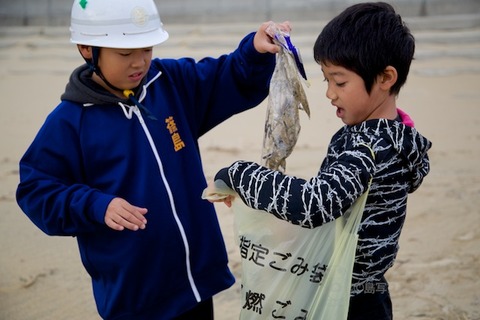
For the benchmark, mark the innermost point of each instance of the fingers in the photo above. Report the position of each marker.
(226, 199)
(285, 26)
(120, 215)
(263, 40)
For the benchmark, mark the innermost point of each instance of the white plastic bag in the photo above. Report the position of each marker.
(289, 272)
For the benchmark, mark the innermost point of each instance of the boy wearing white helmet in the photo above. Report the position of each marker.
(121, 149)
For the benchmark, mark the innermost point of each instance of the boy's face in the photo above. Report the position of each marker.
(348, 94)
(123, 68)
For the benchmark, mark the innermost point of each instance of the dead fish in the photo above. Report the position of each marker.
(286, 98)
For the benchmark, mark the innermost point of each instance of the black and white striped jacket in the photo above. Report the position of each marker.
(398, 166)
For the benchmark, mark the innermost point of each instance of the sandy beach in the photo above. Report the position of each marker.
(437, 272)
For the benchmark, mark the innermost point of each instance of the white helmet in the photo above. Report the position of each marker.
(126, 24)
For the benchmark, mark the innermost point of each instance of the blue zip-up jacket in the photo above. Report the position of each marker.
(94, 147)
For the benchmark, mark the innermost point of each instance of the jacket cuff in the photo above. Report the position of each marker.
(251, 54)
(223, 175)
(99, 207)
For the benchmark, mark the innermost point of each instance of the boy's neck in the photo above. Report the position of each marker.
(387, 109)
(117, 93)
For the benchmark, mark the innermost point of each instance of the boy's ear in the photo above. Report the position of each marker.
(85, 51)
(388, 78)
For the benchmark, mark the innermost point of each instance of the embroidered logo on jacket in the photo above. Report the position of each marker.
(177, 141)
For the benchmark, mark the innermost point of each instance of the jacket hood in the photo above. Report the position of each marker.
(415, 151)
(82, 89)
(408, 143)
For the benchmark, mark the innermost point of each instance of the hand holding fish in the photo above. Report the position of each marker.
(263, 40)
(286, 98)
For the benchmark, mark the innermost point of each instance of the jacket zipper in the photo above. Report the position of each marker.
(137, 112)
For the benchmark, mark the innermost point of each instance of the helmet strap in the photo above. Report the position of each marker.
(93, 62)
(95, 54)
(93, 65)
(131, 97)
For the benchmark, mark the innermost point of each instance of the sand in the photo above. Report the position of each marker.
(437, 272)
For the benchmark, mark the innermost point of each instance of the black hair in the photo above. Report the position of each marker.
(366, 38)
